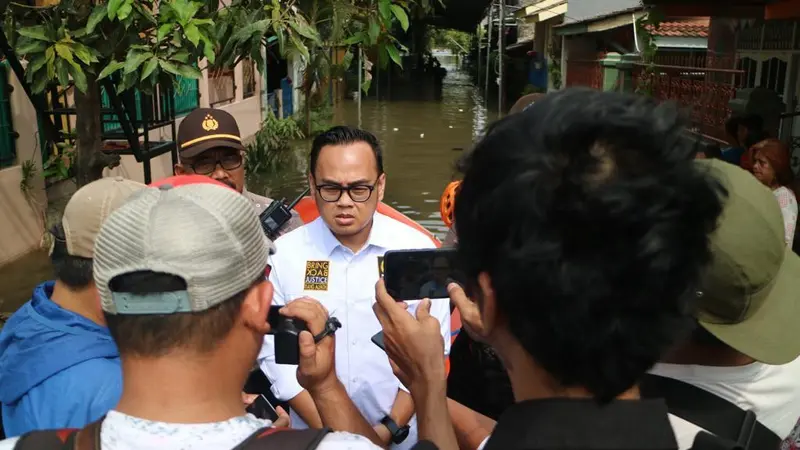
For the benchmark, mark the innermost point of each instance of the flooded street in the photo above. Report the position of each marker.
(422, 139)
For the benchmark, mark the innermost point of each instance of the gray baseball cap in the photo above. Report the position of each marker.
(206, 234)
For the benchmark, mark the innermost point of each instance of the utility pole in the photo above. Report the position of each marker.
(480, 39)
(488, 53)
(501, 49)
(360, 81)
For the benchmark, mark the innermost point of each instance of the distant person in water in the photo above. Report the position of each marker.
(209, 143)
(59, 366)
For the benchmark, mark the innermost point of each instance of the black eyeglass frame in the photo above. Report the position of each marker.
(348, 189)
(217, 162)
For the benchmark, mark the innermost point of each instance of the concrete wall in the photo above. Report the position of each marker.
(21, 218)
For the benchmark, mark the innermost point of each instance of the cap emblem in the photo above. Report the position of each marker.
(210, 123)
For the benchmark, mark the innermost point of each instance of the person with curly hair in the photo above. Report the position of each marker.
(772, 167)
(583, 227)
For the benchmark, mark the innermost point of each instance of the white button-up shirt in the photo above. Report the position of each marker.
(311, 262)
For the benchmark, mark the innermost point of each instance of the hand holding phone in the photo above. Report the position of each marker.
(418, 274)
(263, 409)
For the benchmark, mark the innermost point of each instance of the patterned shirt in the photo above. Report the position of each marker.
(788, 204)
(124, 432)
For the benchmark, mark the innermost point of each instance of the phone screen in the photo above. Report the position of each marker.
(418, 274)
(263, 409)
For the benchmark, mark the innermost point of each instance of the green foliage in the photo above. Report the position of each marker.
(28, 172)
(61, 164)
(531, 89)
(554, 66)
(321, 119)
(457, 42)
(644, 27)
(124, 39)
(271, 150)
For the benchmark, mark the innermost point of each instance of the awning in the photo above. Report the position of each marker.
(604, 23)
(544, 10)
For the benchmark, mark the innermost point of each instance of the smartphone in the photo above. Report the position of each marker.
(378, 340)
(418, 274)
(263, 409)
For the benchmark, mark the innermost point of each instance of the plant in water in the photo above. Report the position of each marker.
(321, 119)
(271, 149)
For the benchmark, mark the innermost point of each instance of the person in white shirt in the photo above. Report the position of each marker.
(336, 259)
(180, 274)
(745, 348)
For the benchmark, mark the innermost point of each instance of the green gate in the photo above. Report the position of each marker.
(186, 97)
(8, 145)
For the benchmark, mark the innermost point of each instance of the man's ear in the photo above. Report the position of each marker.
(312, 186)
(488, 304)
(381, 185)
(256, 306)
(179, 170)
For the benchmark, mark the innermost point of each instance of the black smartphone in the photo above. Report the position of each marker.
(418, 274)
(263, 409)
(378, 340)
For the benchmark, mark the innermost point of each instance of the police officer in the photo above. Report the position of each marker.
(209, 143)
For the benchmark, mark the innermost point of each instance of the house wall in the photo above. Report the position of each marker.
(21, 218)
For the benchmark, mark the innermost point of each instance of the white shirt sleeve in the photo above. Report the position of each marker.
(8, 444)
(282, 377)
(340, 441)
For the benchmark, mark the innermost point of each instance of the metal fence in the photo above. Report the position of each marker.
(186, 97)
(586, 71)
(248, 78)
(221, 86)
(704, 92)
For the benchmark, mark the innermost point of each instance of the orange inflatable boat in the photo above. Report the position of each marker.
(308, 213)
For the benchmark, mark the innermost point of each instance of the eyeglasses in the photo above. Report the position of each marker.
(359, 193)
(206, 166)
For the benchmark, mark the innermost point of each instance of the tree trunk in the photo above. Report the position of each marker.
(90, 160)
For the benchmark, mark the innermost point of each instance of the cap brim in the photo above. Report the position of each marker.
(197, 149)
(770, 334)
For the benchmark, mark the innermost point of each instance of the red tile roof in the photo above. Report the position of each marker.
(690, 27)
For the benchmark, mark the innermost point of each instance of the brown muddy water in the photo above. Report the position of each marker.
(423, 134)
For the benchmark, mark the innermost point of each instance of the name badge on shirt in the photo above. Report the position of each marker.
(380, 266)
(316, 278)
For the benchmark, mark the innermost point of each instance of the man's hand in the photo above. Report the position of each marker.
(283, 420)
(471, 320)
(415, 346)
(248, 399)
(317, 360)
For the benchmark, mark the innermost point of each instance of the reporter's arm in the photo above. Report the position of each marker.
(471, 427)
(283, 377)
(402, 412)
(433, 418)
(339, 413)
(303, 404)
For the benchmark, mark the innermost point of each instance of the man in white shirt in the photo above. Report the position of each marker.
(180, 274)
(337, 260)
(745, 348)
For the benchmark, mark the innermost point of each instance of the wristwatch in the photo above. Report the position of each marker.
(399, 434)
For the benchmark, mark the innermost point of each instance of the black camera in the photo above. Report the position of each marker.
(286, 332)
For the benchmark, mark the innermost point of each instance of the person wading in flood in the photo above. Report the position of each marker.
(209, 144)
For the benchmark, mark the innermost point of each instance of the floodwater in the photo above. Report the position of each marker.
(422, 135)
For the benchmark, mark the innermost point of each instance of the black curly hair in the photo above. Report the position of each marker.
(592, 221)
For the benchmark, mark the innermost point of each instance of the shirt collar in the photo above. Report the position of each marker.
(379, 236)
(584, 424)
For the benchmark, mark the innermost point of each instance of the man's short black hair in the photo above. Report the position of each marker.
(592, 221)
(155, 335)
(341, 135)
(73, 271)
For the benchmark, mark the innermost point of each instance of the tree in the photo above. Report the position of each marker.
(141, 44)
(456, 41)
